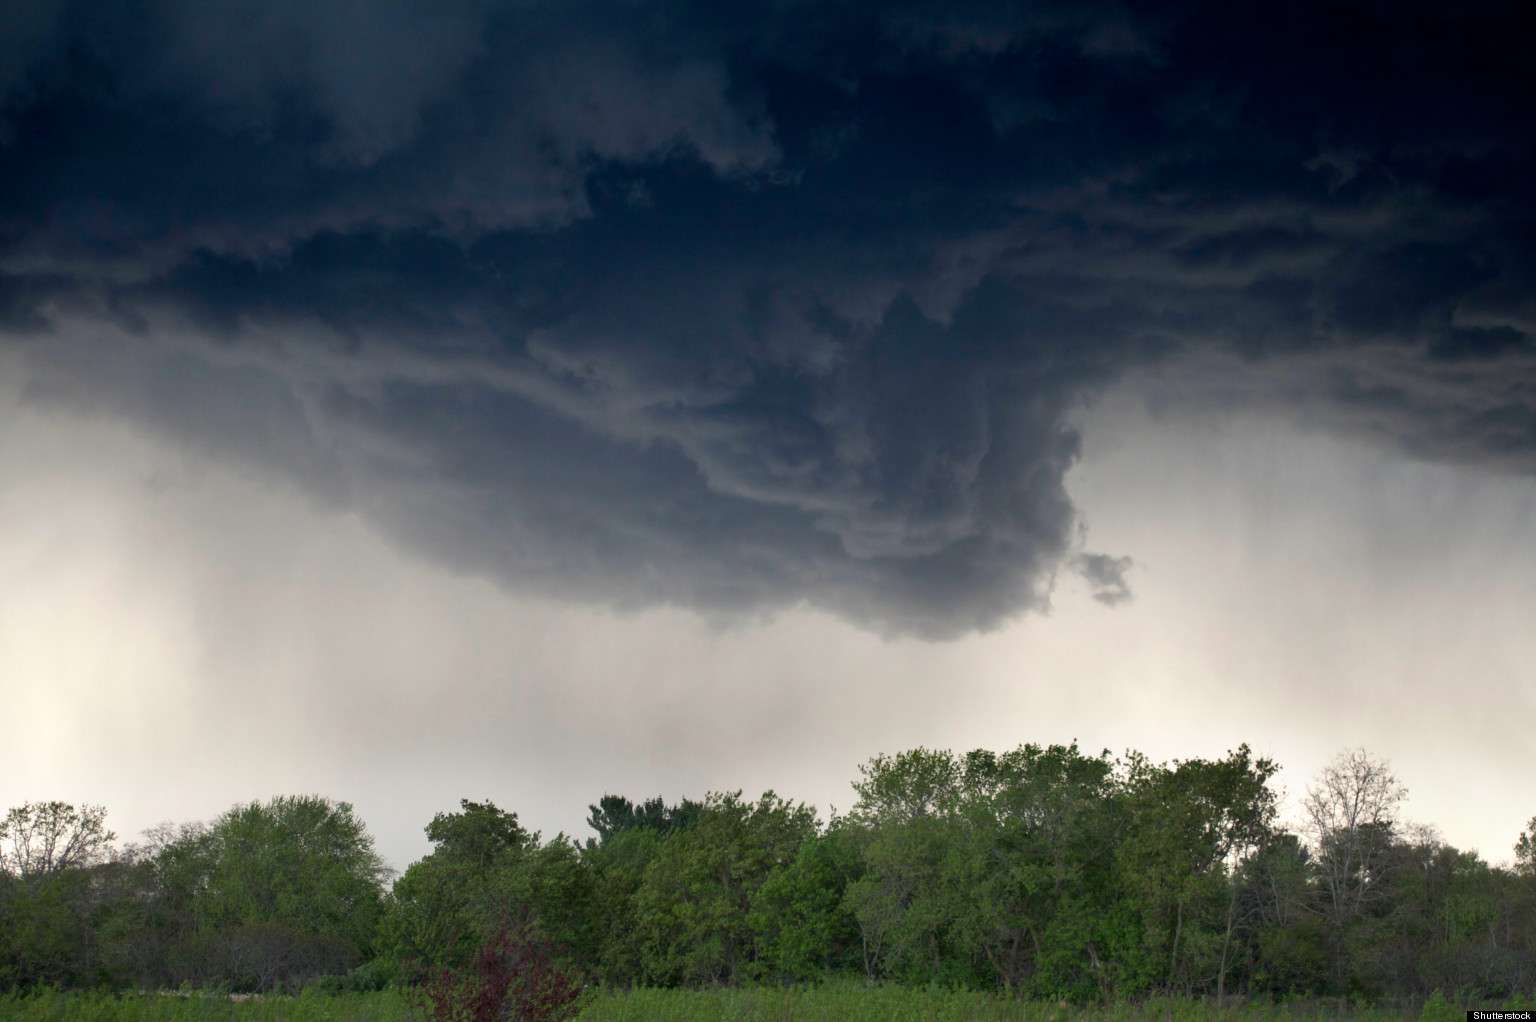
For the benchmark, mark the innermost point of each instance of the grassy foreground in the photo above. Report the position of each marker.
(102, 1007)
(834, 1002)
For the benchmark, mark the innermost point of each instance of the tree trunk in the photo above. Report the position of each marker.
(1173, 956)
(1226, 942)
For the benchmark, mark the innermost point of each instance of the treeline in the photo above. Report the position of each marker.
(1042, 871)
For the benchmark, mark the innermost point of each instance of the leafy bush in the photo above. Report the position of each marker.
(1439, 1009)
(513, 978)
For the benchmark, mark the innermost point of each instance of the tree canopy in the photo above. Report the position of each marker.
(1047, 871)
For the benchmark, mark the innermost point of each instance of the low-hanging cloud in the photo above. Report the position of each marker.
(737, 309)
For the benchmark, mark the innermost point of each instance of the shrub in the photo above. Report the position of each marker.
(513, 978)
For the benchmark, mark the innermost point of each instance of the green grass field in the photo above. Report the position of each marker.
(101, 1007)
(835, 1002)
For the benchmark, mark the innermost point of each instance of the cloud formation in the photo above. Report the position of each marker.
(790, 303)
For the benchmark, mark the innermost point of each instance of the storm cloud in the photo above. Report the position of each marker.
(741, 307)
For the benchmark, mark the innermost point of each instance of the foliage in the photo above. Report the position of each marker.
(39, 838)
(1043, 872)
(615, 814)
(512, 978)
(695, 896)
(303, 862)
(835, 1001)
(268, 895)
(800, 918)
(1197, 824)
(1525, 851)
(478, 835)
(259, 956)
(486, 872)
(990, 869)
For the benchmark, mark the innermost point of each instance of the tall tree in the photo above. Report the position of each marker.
(920, 875)
(485, 873)
(1525, 851)
(1196, 823)
(479, 834)
(1349, 813)
(304, 862)
(1046, 821)
(800, 918)
(693, 905)
(615, 814)
(39, 838)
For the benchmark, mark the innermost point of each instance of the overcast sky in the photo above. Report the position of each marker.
(410, 401)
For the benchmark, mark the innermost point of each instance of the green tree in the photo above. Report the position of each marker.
(1525, 851)
(41, 933)
(629, 837)
(921, 870)
(1290, 943)
(303, 862)
(1196, 823)
(801, 922)
(479, 834)
(1047, 821)
(49, 904)
(615, 814)
(428, 920)
(432, 918)
(693, 903)
(485, 873)
(993, 869)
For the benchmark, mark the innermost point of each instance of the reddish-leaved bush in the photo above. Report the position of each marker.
(513, 978)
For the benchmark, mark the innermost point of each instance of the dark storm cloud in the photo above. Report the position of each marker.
(736, 308)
